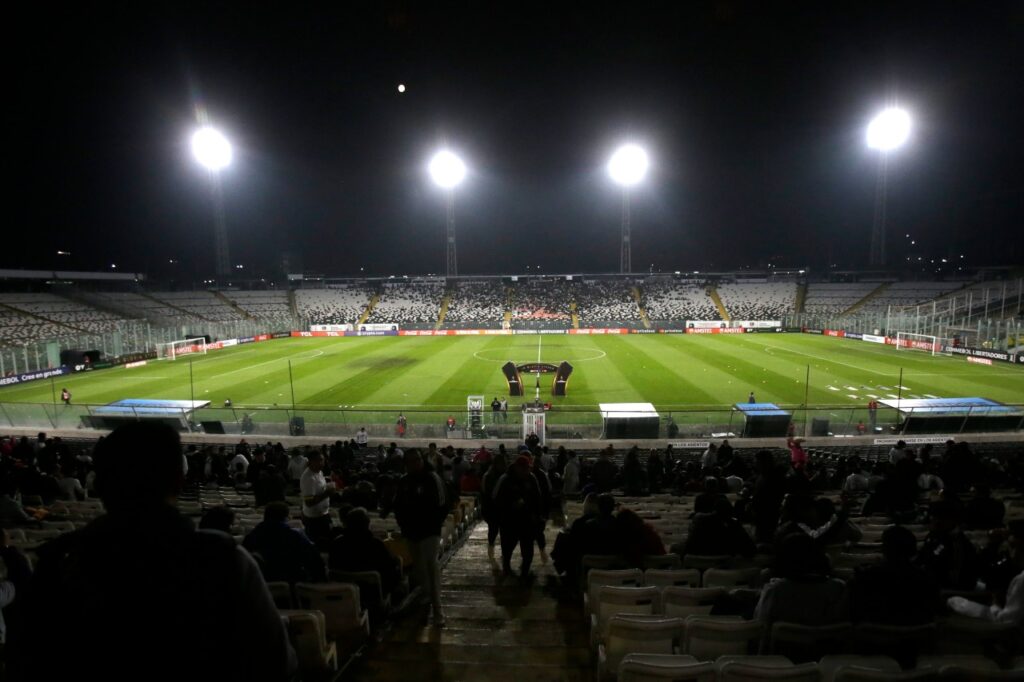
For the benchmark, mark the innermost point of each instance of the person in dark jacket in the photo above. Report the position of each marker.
(420, 506)
(947, 555)
(190, 602)
(287, 554)
(358, 550)
(636, 538)
(517, 498)
(487, 505)
(895, 592)
(714, 531)
(604, 471)
(269, 487)
(982, 512)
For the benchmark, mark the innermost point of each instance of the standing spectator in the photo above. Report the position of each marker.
(751, 399)
(421, 507)
(655, 471)
(362, 437)
(296, 465)
(97, 576)
(517, 497)
(710, 458)
(287, 555)
(504, 409)
(946, 554)
(571, 477)
(269, 487)
(65, 395)
(797, 455)
(725, 454)
(495, 410)
(488, 508)
(897, 452)
(316, 500)
(604, 471)
(401, 425)
(873, 415)
(633, 477)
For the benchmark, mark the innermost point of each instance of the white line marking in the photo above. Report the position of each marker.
(267, 362)
(929, 395)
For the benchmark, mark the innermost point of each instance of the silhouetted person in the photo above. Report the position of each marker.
(287, 554)
(141, 589)
(517, 497)
(895, 592)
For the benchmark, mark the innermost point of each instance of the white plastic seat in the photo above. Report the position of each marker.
(662, 667)
(676, 577)
(741, 672)
(708, 637)
(613, 601)
(689, 601)
(964, 662)
(806, 642)
(598, 578)
(339, 602)
(858, 674)
(831, 664)
(307, 631)
(760, 661)
(731, 577)
(636, 635)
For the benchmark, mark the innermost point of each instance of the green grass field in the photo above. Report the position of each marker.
(427, 376)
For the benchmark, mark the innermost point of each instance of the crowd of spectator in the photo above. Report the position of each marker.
(408, 303)
(676, 301)
(477, 303)
(334, 305)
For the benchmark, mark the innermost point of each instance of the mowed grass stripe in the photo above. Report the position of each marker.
(650, 375)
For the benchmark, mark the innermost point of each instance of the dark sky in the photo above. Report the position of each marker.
(753, 114)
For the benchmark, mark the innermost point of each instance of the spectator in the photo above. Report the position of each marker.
(142, 570)
(488, 508)
(287, 555)
(12, 514)
(714, 532)
(946, 555)
(269, 487)
(70, 487)
(218, 518)
(517, 499)
(358, 550)
(362, 437)
(571, 477)
(19, 574)
(296, 465)
(316, 500)
(801, 590)
(1008, 607)
(604, 471)
(982, 512)
(633, 477)
(895, 592)
(421, 507)
(239, 462)
(636, 538)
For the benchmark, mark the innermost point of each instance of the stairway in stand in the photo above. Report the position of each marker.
(497, 631)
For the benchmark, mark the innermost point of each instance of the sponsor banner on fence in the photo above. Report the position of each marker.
(671, 331)
(838, 333)
(913, 440)
(763, 330)
(378, 327)
(330, 327)
(388, 332)
(281, 335)
(137, 363)
(854, 335)
(227, 343)
(979, 361)
(809, 330)
(727, 330)
(33, 376)
(756, 324)
(1020, 358)
(245, 339)
(690, 444)
(1002, 356)
(706, 324)
(644, 331)
(598, 330)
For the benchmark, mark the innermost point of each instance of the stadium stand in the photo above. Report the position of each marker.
(835, 297)
(605, 303)
(910, 293)
(480, 303)
(412, 304)
(336, 305)
(265, 305)
(676, 301)
(758, 300)
(138, 305)
(203, 304)
(540, 303)
(30, 316)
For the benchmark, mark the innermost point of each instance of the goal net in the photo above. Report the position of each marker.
(174, 349)
(922, 342)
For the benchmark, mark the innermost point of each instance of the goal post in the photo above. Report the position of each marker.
(173, 349)
(921, 342)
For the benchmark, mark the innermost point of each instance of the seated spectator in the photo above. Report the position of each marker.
(358, 550)
(636, 538)
(218, 518)
(598, 534)
(801, 590)
(947, 555)
(982, 512)
(714, 532)
(269, 487)
(12, 514)
(193, 601)
(70, 487)
(567, 552)
(1008, 606)
(19, 574)
(896, 592)
(287, 554)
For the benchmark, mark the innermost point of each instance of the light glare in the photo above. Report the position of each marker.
(211, 149)
(889, 130)
(447, 169)
(628, 165)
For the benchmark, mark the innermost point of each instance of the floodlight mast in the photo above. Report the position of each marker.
(627, 167)
(887, 132)
(448, 171)
(213, 152)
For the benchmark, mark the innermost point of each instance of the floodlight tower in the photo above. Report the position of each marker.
(448, 171)
(213, 152)
(627, 167)
(887, 132)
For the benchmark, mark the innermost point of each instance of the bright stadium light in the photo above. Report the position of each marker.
(628, 165)
(211, 149)
(447, 169)
(889, 130)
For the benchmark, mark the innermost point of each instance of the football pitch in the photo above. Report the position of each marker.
(674, 372)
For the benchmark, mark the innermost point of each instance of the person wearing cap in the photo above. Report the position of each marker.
(518, 503)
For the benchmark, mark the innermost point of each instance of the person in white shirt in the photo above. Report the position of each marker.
(1011, 610)
(571, 476)
(239, 458)
(897, 452)
(856, 482)
(296, 465)
(316, 500)
(362, 438)
(710, 457)
(70, 487)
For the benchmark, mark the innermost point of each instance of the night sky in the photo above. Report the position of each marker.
(753, 114)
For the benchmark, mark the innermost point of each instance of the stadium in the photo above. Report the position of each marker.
(236, 446)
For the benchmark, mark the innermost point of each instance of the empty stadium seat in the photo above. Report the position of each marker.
(340, 605)
(708, 637)
(662, 667)
(631, 635)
